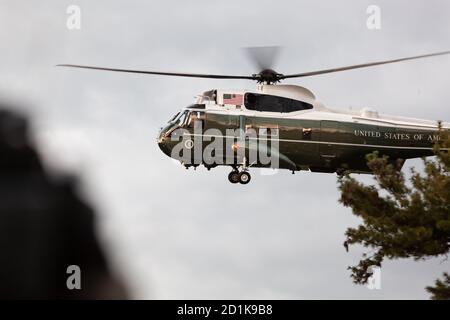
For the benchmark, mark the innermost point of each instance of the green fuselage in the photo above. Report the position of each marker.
(302, 144)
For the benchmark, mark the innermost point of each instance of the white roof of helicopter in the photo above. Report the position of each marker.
(281, 90)
(320, 112)
(290, 91)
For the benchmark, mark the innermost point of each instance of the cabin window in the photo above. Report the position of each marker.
(265, 102)
(263, 131)
(296, 105)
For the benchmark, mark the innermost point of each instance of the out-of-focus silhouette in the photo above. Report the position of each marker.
(44, 227)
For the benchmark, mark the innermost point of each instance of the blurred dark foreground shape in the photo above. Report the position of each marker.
(44, 227)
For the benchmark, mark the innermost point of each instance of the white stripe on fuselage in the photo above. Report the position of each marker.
(329, 115)
(320, 142)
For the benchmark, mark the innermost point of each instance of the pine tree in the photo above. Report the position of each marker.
(441, 291)
(401, 217)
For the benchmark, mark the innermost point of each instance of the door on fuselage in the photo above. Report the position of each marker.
(328, 150)
(261, 138)
(247, 140)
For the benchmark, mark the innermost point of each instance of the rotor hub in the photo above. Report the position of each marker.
(268, 76)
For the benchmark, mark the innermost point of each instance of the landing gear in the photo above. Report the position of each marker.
(234, 176)
(242, 177)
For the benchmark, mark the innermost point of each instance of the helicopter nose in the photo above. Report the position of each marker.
(162, 141)
(161, 138)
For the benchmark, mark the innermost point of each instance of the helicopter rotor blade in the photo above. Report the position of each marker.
(359, 66)
(173, 74)
(263, 57)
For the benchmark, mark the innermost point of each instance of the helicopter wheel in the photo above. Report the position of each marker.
(244, 177)
(233, 176)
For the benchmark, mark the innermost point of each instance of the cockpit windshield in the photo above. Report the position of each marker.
(179, 118)
(186, 118)
(173, 119)
(183, 117)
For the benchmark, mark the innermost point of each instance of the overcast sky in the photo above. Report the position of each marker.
(173, 233)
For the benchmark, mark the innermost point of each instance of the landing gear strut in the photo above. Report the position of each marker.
(242, 177)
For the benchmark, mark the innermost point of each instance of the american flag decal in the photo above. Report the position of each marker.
(235, 99)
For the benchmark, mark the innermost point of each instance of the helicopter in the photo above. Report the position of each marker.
(282, 126)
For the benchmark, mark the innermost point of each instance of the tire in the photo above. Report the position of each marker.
(244, 177)
(233, 177)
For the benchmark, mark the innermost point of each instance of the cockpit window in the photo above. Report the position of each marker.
(265, 102)
(183, 117)
(187, 118)
(174, 117)
(195, 116)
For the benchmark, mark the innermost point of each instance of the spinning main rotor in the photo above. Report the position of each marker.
(264, 58)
